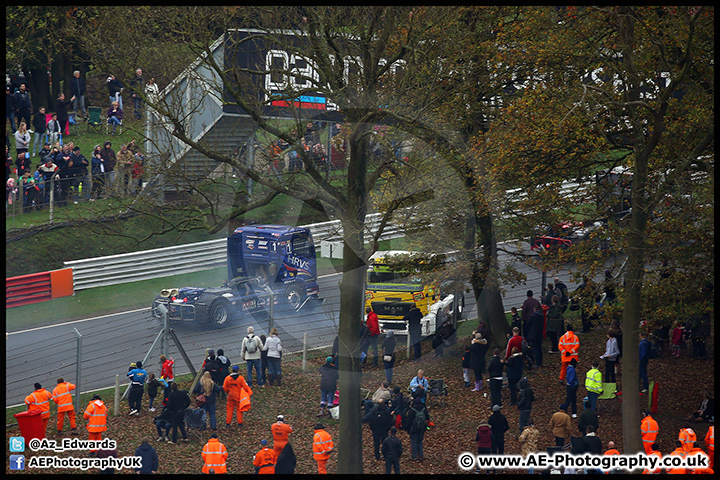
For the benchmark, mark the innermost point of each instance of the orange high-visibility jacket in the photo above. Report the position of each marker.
(39, 400)
(681, 453)
(612, 451)
(699, 470)
(688, 438)
(647, 471)
(710, 439)
(569, 342)
(214, 455)
(649, 429)
(281, 432)
(322, 445)
(238, 391)
(96, 415)
(265, 460)
(61, 396)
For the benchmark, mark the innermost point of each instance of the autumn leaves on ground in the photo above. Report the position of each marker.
(682, 383)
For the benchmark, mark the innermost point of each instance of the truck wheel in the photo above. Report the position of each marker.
(294, 296)
(219, 314)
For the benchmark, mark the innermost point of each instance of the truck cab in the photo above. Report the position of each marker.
(267, 265)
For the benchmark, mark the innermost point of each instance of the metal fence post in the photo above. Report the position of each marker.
(166, 336)
(304, 360)
(407, 349)
(52, 198)
(271, 320)
(78, 375)
(116, 410)
(543, 281)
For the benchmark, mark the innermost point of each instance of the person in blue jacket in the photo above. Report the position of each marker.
(571, 386)
(148, 457)
(137, 376)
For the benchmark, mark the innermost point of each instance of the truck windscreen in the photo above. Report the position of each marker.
(302, 247)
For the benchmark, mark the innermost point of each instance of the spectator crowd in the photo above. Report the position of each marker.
(47, 164)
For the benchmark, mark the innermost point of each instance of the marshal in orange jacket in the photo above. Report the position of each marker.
(39, 400)
(214, 455)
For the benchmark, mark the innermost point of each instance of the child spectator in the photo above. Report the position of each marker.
(466, 365)
(677, 338)
(53, 129)
(152, 388)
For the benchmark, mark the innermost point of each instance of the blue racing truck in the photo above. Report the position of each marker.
(264, 262)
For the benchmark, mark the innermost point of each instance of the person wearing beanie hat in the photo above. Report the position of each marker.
(322, 447)
(137, 377)
(281, 434)
(499, 425)
(561, 425)
(265, 459)
(328, 385)
(238, 396)
(96, 415)
(40, 400)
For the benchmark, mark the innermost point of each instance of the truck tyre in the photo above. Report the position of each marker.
(294, 295)
(218, 314)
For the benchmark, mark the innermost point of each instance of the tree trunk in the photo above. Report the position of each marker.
(489, 303)
(632, 310)
(352, 300)
(39, 87)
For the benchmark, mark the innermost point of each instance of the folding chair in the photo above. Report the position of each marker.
(195, 422)
(94, 120)
(608, 399)
(437, 391)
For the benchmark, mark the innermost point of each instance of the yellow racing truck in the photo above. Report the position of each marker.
(391, 289)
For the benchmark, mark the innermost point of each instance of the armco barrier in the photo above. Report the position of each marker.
(38, 287)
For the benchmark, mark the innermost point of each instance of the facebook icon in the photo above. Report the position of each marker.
(17, 462)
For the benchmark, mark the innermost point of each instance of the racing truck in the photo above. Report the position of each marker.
(390, 291)
(267, 264)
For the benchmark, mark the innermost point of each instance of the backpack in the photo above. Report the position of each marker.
(419, 423)
(250, 345)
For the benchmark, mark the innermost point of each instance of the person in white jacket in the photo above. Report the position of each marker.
(274, 349)
(250, 351)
